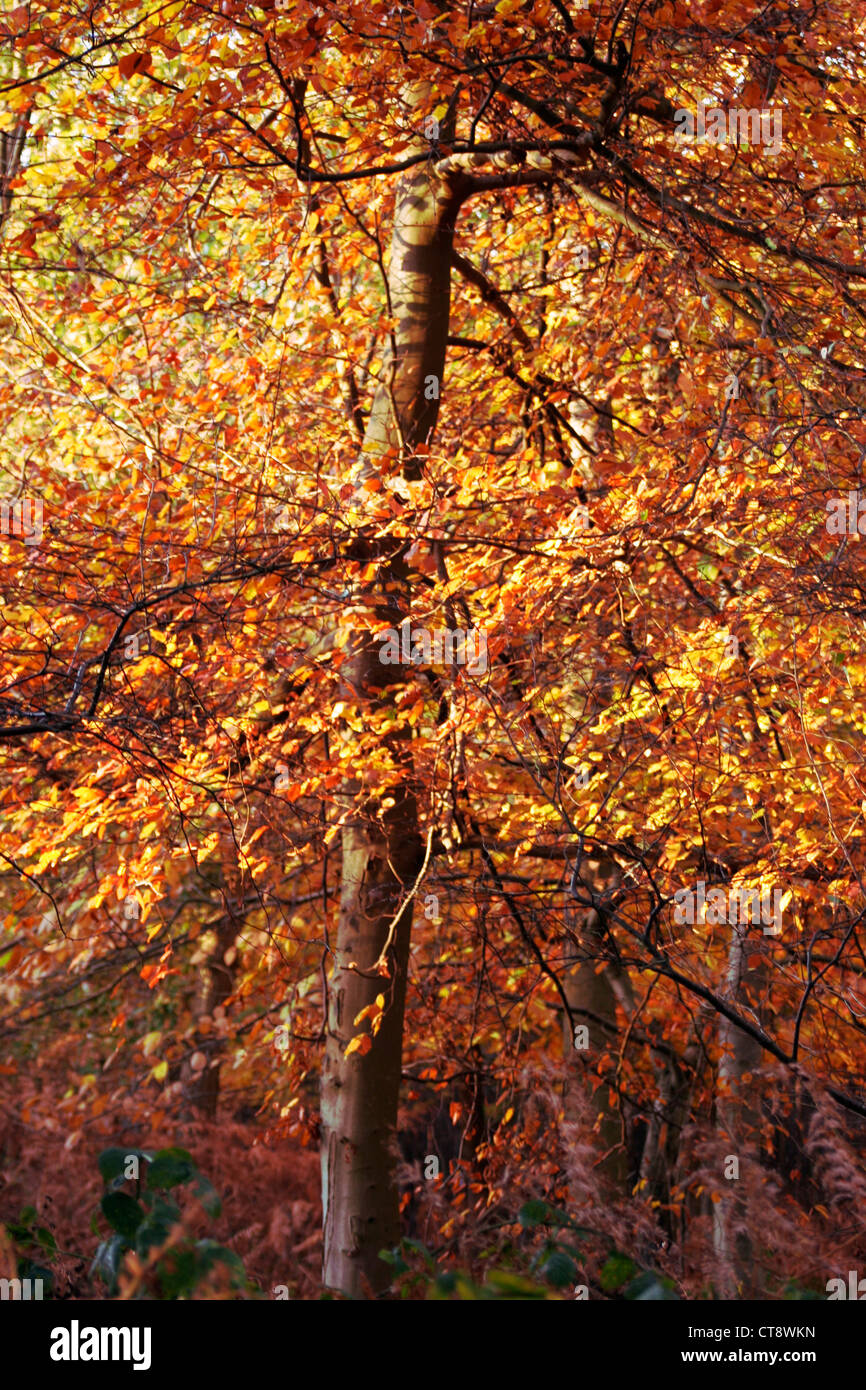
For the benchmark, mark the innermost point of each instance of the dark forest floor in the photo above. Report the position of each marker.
(271, 1202)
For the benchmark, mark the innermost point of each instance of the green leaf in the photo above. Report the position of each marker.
(559, 1269)
(444, 1285)
(169, 1168)
(122, 1213)
(27, 1269)
(177, 1274)
(112, 1162)
(512, 1285)
(650, 1287)
(409, 1244)
(615, 1272)
(156, 1228)
(538, 1213)
(395, 1260)
(211, 1253)
(534, 1213)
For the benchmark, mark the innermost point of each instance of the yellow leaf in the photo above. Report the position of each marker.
(362, 1043)
(87, 794)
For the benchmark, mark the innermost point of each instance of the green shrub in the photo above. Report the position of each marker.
(168, 1262)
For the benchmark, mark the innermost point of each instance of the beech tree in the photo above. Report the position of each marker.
(332, 322)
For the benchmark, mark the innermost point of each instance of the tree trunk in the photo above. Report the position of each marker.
(380, 843)
(738, 1115)
(216, 978)
(12, 148)
(592, 996)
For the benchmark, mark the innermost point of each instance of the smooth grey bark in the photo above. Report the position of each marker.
(593, 996)
(738, 1115)
(381, 847)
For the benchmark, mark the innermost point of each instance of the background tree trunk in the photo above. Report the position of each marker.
(216, 974)
(216, 977)
(592, 996)
(738, 1115)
